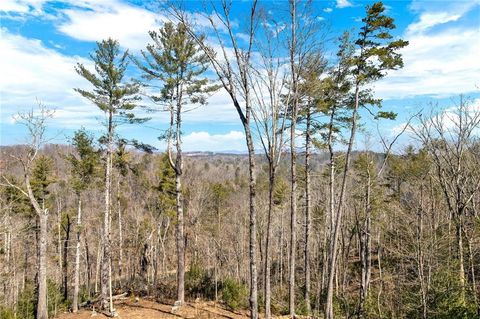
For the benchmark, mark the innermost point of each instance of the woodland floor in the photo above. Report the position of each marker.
(146, 309)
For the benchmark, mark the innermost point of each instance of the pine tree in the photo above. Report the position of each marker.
(84, 168)
(117, 98)
(375, 54)
(174, 59)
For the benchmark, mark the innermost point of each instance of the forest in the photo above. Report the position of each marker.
(312, 221)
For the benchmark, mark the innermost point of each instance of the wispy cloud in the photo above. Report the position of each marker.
(429, 20)
(438, 63)
(22, 6)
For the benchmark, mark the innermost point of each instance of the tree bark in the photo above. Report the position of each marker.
(65, 257)
(338, 218)
(308, 219)
(42, 311)
(42, 213)
(271, 185)
(365, 241)
(120, 233)
(293, 162)
(180, 234)
(253, 226)
(106, 284)
(76, 286)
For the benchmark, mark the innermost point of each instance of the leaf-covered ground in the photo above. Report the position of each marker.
(146, 309)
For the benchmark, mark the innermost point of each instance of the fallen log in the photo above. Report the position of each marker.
(89, 302)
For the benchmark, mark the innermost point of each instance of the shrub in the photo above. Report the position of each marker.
(56, 303)
(6, 313)
(198, 283)
(234, 294)
(26, 303)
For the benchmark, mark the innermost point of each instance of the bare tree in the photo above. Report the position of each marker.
(449, 138)
(35, 122)
(270, 113)
(234, 75)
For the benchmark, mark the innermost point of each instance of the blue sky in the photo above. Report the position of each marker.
(41, 41)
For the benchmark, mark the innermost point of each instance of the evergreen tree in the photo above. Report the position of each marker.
(84, 168)
(174, 59)
(375, 54)
(117, 98)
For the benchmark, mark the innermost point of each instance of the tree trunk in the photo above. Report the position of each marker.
(76, 286)
(120, 233)
(107, 303)
(179, 202)
(461, 268)
(365, 240)
(65, 257)
(308, 218)
(271, 185)
(88, 267)
(253, 220)
(293, 160)
(338, 218)
(293, 220)
(42, 214)
(42, 310)
(421, 257)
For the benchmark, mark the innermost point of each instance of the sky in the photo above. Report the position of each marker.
(41, 41)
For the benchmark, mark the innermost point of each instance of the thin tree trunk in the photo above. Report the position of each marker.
(107, 302)
(253, 219)
(293, 221)
(271, 185)
(472, 270)
(461, 268)
(281, 250)
(179, 203)
(88, 266)
(380, 275)
(42, 214)
(76, 286)
(65, 257)
(308, 218)
(421, 258)
(42, 311)
(338, 218)
(365, 251)
(293, 161)
(120, 233)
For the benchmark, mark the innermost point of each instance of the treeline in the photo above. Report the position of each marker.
(357, 234)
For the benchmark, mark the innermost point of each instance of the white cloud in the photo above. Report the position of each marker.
(204, 141)
(31, 71)
(433, 13)
(429, 20)
(440, 63)
(219, 109)
(128, 24)
(327, 10)
(22, 6)
(344, 4)
(448, 118)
